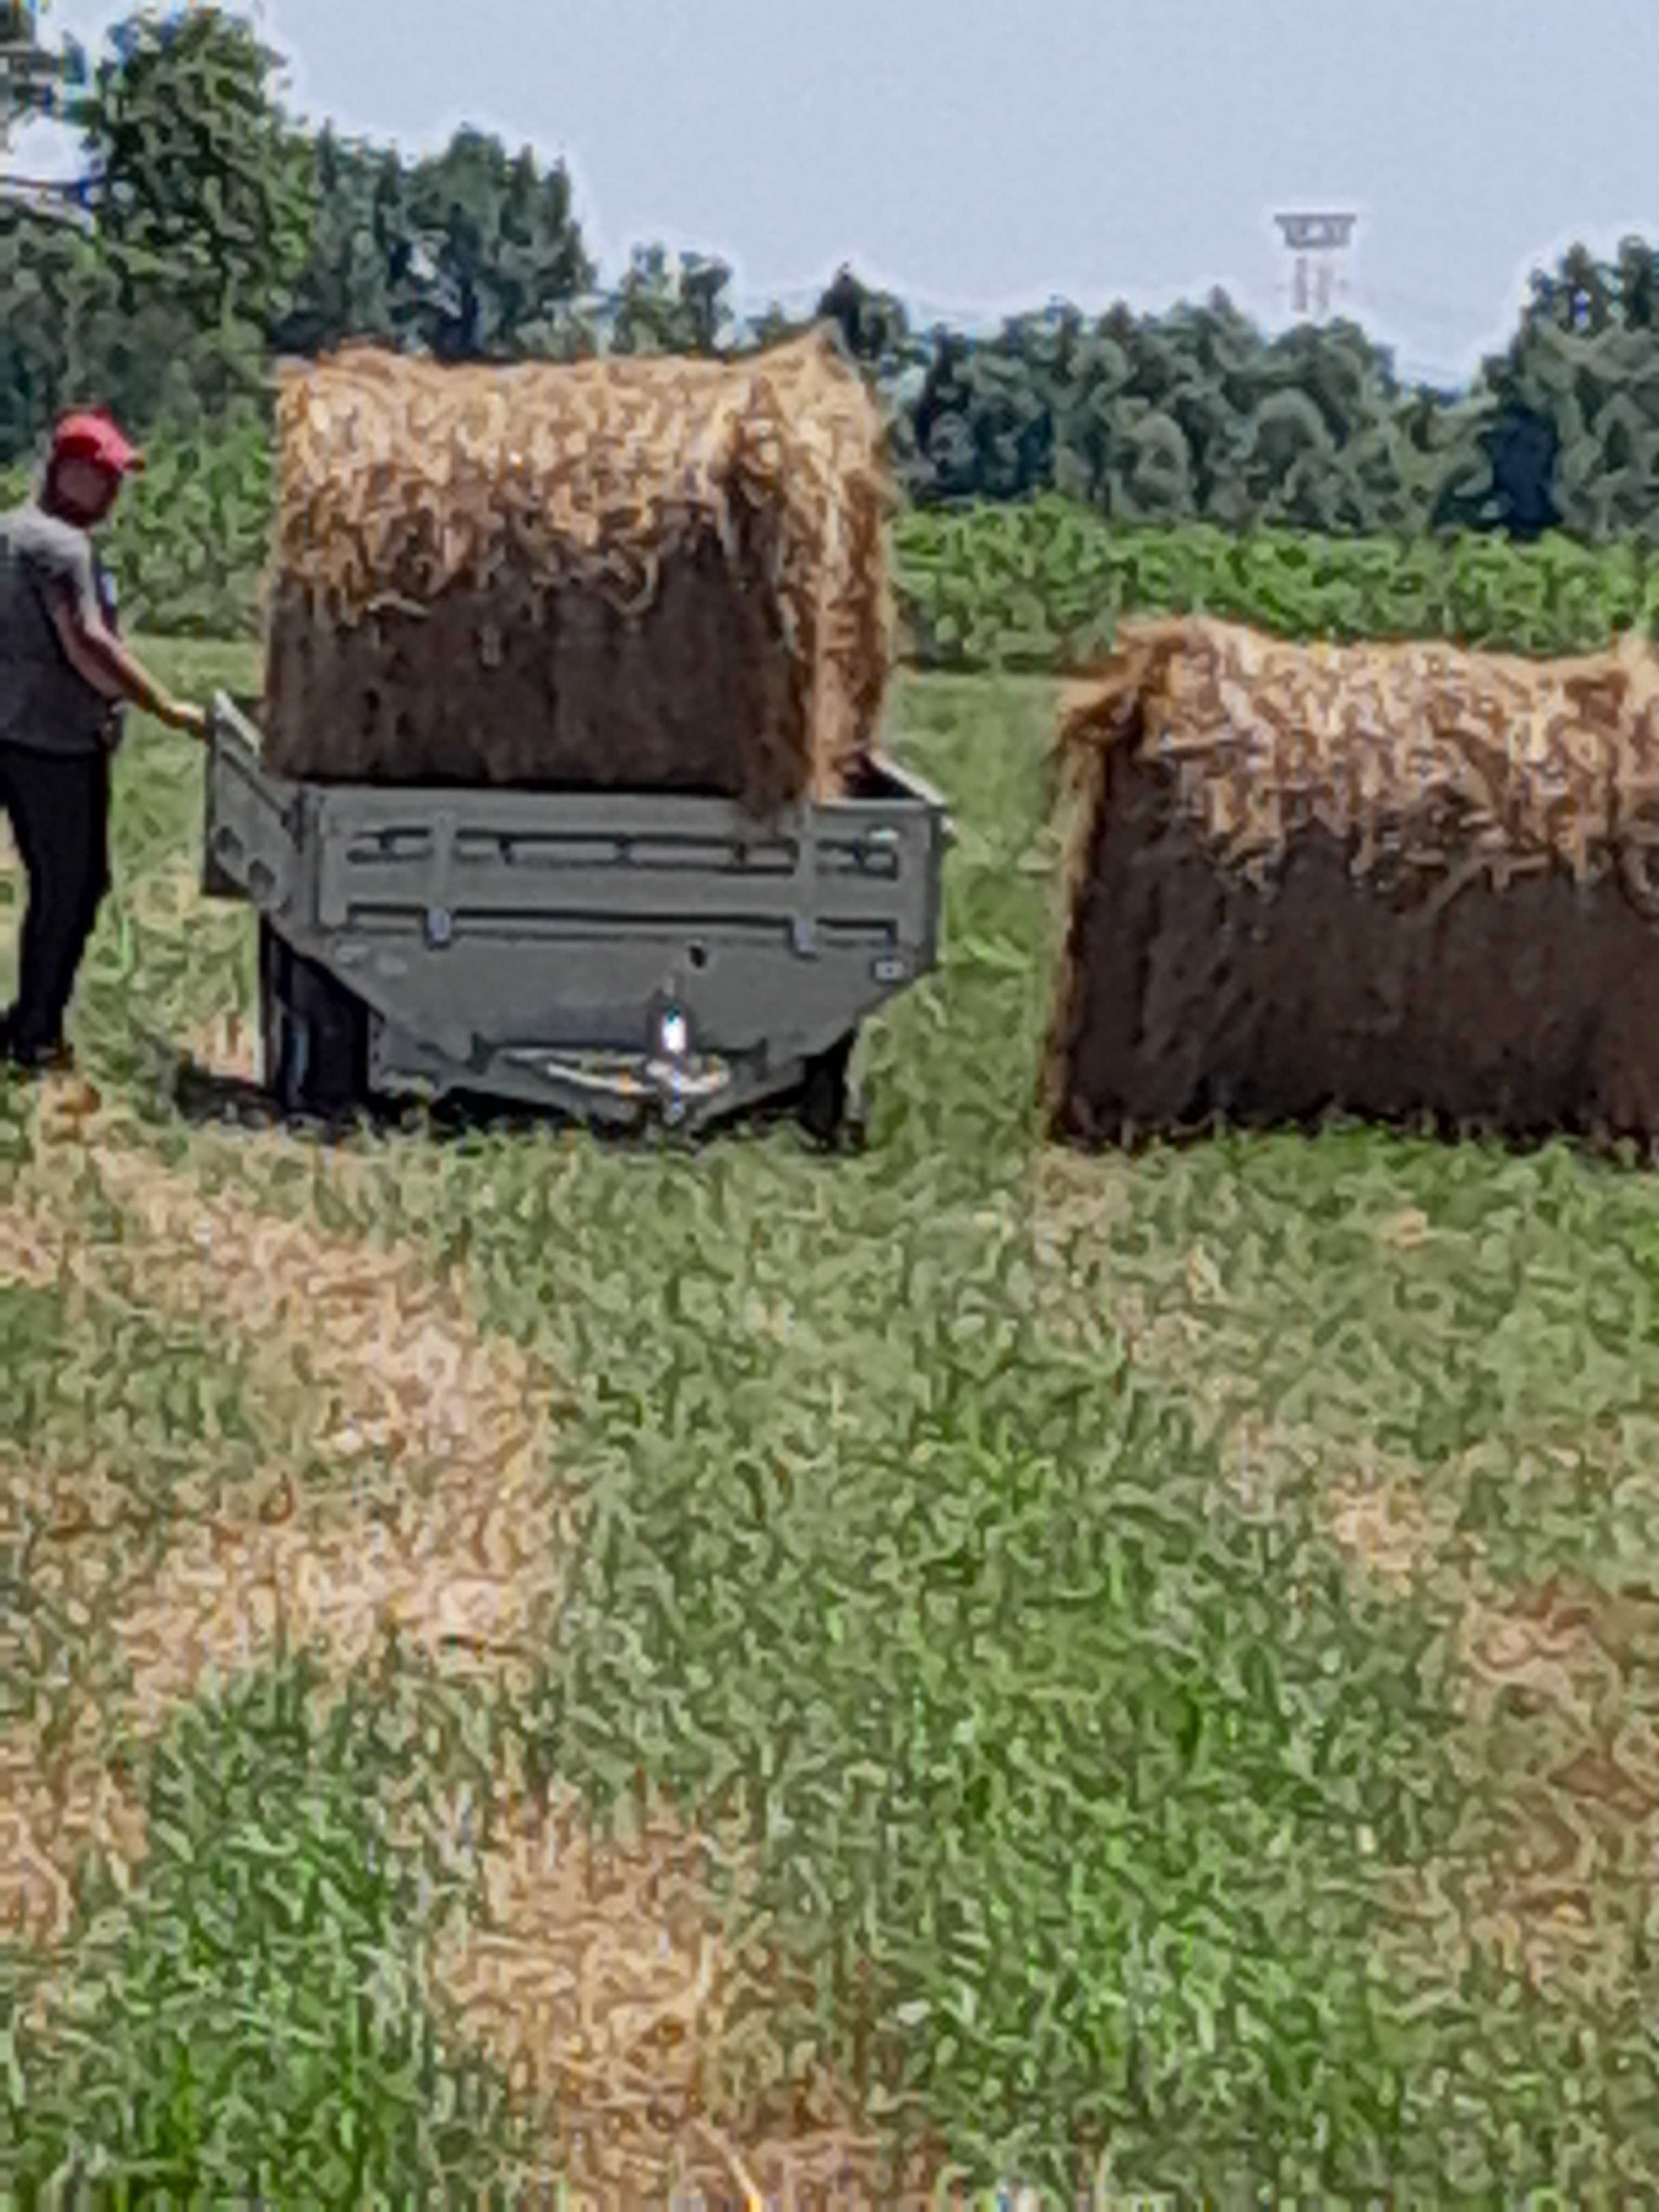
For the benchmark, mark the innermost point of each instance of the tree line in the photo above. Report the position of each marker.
(223, 233)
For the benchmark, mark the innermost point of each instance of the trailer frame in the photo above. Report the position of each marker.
(621, 956)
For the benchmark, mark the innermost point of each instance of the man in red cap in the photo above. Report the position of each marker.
(64, 674)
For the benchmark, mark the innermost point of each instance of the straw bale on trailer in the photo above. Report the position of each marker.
(642, 573)
(1402, 881)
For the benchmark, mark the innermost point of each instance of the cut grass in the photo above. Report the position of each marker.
(1098, 1796)
(252, 2021)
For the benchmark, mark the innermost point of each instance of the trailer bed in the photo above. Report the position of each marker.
(615, 955)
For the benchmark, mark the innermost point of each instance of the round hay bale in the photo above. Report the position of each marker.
(1399, 881)
(630, 573)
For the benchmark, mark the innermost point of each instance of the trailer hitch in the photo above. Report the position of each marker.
(674, 1085)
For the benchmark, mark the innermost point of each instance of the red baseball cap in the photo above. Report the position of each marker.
(92, 435)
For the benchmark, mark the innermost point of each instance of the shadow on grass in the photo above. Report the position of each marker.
(1594, 1145)
(173, 1079)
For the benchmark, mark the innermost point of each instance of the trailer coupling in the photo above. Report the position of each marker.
(671, 1074)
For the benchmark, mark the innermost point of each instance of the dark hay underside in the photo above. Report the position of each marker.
(697, 692)
(1188, 996)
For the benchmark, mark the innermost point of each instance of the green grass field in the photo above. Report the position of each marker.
(1135, 1673)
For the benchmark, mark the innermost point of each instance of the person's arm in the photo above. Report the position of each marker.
(96, 654)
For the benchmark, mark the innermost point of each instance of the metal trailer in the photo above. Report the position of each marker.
(618, 956)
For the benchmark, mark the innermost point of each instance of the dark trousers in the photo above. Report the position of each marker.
(59, 809)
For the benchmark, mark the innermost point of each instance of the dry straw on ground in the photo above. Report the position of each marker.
(600, 1983)
(600, 1974)
(431, 1510)
(1398, 880)
(1557, 1891)
(634, 573)
(58, 1801)
(459, 1548)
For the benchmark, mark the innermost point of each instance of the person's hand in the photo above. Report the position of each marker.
(182, 716)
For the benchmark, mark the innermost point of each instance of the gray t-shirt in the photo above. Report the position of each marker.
(45, 703)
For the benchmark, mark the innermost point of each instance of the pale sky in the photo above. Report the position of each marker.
(979, 157)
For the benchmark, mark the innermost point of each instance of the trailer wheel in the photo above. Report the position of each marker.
(825, 1111)
(314, 1032)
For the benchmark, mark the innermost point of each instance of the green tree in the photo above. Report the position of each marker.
(1216, 365)
(942, 457)
(1286, 471)
(672, 303)
(343, 289)
(1637, 279)
(67, 331)
(1151, 480)
(490, 257)
(874, 326)
(204, 193)
(1084, 432)
(772, 326)
(57, 315)
(1571, 429)
(544, 268)
(469, 254)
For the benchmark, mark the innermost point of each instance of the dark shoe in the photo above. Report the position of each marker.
(50, 1057)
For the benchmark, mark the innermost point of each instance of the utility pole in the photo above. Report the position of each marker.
(1319, 241)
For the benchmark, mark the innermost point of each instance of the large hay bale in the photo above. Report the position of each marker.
(640, 574)
(1402, 881)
